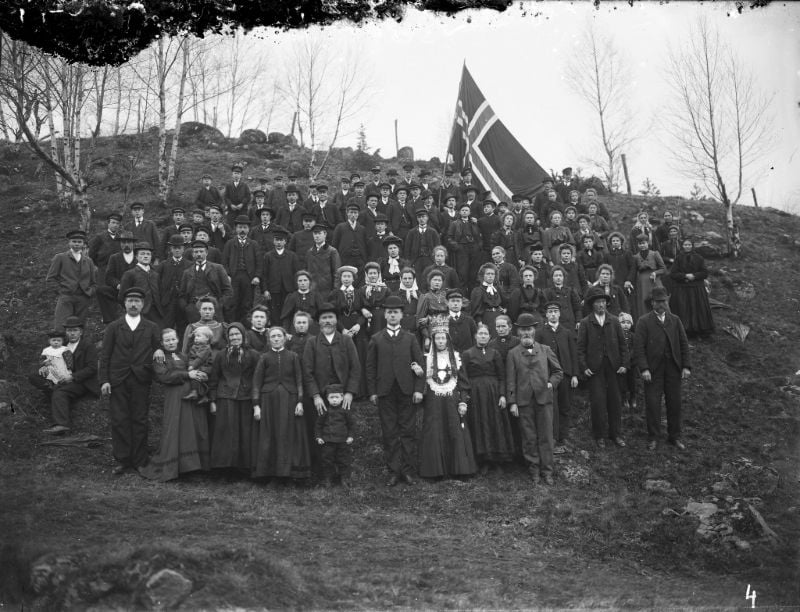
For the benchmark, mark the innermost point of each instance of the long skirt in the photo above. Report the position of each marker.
(184, 437)
(232, 436)
(445, 447)
(690, 303)
(489, 424)
(280, 444)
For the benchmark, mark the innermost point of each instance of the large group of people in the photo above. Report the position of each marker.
(265, 314)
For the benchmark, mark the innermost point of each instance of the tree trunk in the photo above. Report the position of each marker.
(731, 230)
(81, 202)
(53, 142)
(119, 101)
(173, 156)
(163, 187)
(625, 170)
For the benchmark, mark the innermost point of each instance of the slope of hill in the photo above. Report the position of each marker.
(608, 534)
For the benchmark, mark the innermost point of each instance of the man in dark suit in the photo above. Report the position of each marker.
(118, 264)
(462, 326)
(562, 342)
(101, 248)
(125, 376)
(350, 239)
(602, 353)
(202, 279)
(395, 383)
(219, 232)
(81, 381)
(236, 196)
(278, 269)
(329, 358)
(207, 195)
(242, 258)
(169, 284)
(178, 219)
(661, 352)
(144, 230)
(324, 210)
(532, 372)
(145, 277)
(290, 215)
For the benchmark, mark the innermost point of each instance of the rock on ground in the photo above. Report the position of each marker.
(166, 589)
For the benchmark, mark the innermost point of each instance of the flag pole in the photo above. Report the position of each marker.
(453, 121)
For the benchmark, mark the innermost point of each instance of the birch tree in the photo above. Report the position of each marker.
(600, 76)
(717, 118)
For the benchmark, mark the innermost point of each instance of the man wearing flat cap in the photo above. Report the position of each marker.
(661, 352)
(178, 219)
(326, 212)
(201, 279)
(208, 194)
(303, 239)
(145, 277)
(350, 239)
(258, 204)
(420, 242)
(322, 260)
(532, 373)
(169, 284)
(290, 215)
(242, 258)
(144, 230)
(101, 248)
(125, 374)
(342, 195)
(236, 195)
(80, 381)
(602, 355)
(373, 185)
(276, 197)
(278, 273)
(73, 277)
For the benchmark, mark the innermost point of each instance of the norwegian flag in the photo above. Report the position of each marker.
(480, 140)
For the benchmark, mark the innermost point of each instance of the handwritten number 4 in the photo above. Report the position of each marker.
(751, 596)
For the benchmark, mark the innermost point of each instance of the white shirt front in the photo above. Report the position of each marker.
(133, 322)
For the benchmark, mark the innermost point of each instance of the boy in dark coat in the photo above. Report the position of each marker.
(335, 431)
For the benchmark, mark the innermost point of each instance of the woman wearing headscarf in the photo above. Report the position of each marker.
(230, 388)
(689, 300)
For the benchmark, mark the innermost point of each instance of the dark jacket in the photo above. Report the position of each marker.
(252, 257)
(278, 270)
(102, 246)
(70, 277)
(321, 361)
(117, 266)
(128, 353)
(232, 378)
(147, 280)
(595, 342)
(462, 331)
(563, 343)
(169, 279)
(277, 369)
(653, 341)
(322, 264)
(84, 365)
(217, 279)
(351, 244)
(527, 375)
(335, 425)
(389, 360)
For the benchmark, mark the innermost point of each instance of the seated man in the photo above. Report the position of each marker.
(81, 381)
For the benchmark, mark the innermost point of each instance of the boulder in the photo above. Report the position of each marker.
(712, 245)
(275, 138)
(696, 217)
(253, 137)
(289, 141)
(659, 486)
(200, 131)
(166, 589)
(405, 154)
(52, 572)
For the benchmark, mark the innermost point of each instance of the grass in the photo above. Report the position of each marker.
(598, 541)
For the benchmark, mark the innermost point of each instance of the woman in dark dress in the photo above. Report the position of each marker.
(566, 297)
(669, 250)
(489, 424)
(230, 387)
(409, 294)
(256, 336)
(486, 301)
(372, 294)
(305, 298)
(527, 298)
(445, 445)
(280, 444)
(184, 443)
(689, 299)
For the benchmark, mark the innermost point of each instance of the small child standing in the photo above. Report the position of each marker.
(334, 432)
(627, 381)
(201, 358)
(55, 360)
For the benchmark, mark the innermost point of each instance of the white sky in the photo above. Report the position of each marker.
(518, 57)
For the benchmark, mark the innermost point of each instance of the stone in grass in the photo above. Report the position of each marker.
(166, 589)
(659, 486)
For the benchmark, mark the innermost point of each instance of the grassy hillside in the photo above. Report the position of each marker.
(601, 537)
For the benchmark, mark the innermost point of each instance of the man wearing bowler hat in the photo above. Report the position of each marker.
(125, 375)
(242, 258)
(73, 276)
(532, 373)
(395, 383)
(602, 353)
(81, 381)
(661, 352)
(236, 195)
